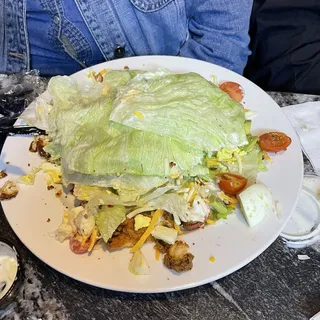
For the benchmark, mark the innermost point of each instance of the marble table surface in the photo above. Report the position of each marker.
(275, 286)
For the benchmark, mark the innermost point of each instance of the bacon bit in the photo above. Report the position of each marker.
(48, 220)
(157, 254)
(139, 115)
(50, 187)
(59, 193)
(3, 174)
(212, 259)
(110, 206)
(210, 221)
(126, 68)
(147, 233)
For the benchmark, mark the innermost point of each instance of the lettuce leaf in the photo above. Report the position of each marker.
(181, 106)
(109, 219)
(252, 164)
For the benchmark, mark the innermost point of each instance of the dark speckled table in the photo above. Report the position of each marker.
(275, 286)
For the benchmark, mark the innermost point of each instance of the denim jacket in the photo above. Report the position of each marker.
(210, 30)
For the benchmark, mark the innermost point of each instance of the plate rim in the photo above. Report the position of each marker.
(235, 268)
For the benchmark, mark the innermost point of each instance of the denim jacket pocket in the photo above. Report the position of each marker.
(150, 5)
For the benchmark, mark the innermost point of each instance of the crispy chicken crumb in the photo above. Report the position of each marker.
(178, 258)
(58, 193)
(38, 144)
(9, 190)
(3, 174)
(161, 246)
(167, 220)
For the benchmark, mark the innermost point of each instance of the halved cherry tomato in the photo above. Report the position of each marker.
(232, 183)
(77, 245)
(274, 142)
(233, 89)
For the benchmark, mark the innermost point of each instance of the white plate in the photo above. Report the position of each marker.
(233, 243)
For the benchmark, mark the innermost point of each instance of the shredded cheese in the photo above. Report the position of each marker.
(93, 239)
(138, 114)
(266, 157)
(195, 193)
(227, 198)
(103, 71)
(177, 227)
(157, 254)
(210, 221)
(147, 233)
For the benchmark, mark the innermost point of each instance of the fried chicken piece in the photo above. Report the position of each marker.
(9, 190)
(178, 258)
(126, 236)
(161, 246)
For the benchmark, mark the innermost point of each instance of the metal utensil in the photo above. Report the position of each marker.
(24, 130)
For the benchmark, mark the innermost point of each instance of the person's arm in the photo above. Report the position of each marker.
(218, 32)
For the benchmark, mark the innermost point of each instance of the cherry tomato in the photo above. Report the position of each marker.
(193, 225)
(274, 142)
(232, 183)
(77, 246)
(233, 89)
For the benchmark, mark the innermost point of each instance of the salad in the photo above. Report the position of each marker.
(150, 156)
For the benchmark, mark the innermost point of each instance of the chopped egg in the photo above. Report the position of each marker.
(141, 221)
(53, 171)
(249, 114)
(30, 177)
(256, 202)
(138, 264)
(165, 234)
